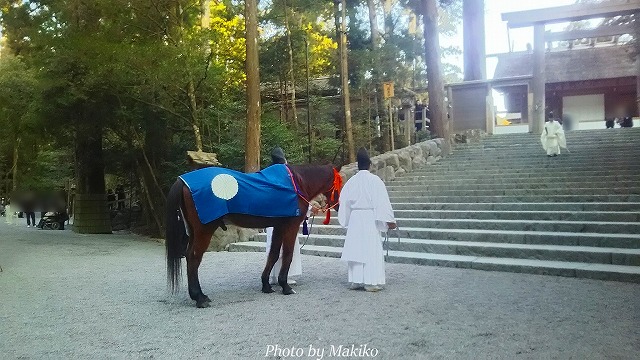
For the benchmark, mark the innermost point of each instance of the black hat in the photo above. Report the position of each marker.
(363, 159)
(277, 156)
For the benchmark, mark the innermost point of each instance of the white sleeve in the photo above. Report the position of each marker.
(382, 206)
(344, 209)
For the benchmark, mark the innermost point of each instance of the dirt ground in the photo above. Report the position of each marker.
(70, 296)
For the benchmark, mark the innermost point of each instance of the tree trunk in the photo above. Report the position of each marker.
(292, 77)
(435, 85)
(14, 166)
(344, 75)
(205, 10)
(376, 77)
(252, 146)
(193, 105)
(473, 30)
(150, 203)
(91, 215)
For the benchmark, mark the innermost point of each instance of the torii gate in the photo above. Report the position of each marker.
(539, 18)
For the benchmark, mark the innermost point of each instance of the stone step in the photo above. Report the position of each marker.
(614, 256)
(408, 180)
(622, 142)
(602, 227)
(547, 162)
(535, 148)
(535, 140)
(516, 192)
(522, 206)
(558, 268)
(520, 198)
(566, 187)
(525, 167)
(437, 174)
(489, 155)
(549, 215)
(504, 236)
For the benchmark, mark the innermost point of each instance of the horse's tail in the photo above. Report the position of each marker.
(174, 235)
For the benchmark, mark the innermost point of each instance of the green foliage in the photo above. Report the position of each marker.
(49, 171)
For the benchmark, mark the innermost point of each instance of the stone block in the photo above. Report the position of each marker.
(221, 239)
(418, 161)
(404, 158)
(392, 160)
(434, 148)
(426, 149)
(378, 163)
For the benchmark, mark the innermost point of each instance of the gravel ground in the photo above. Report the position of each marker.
(70, 296)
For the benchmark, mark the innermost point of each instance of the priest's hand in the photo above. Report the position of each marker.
(391, 225)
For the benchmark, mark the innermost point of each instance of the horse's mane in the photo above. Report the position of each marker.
(307, 176)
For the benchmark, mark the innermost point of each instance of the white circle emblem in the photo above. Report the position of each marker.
(224, 186)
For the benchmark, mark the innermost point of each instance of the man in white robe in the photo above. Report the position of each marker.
(552, 137)
(295, 269)
(365, 210)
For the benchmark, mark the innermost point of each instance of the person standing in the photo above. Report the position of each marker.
(552, 137)
(295, 269)
(29, 208)
(121, 196)
(365, 211)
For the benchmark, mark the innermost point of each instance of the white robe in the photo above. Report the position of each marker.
(364, 210)
(295, 269)
(552, 138)
(9, 214)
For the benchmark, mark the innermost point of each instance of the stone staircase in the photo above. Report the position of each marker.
(503, 205)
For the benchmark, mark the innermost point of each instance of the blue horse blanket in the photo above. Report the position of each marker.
(218, 191)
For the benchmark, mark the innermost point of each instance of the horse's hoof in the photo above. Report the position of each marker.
(203, 304)
(288, 291)
(206, 299)
(267, 289)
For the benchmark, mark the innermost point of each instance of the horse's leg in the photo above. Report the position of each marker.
(198, 244)
(197, 247)
(274, 254)
(289, 236)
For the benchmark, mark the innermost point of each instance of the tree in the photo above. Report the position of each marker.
(473, 27)
(434, 69)
(18, 92)
(344, 76)
(252, 151)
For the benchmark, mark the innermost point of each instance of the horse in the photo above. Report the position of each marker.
(193, 240)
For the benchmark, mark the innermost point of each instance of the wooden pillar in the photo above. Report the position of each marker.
(530, 107)
(391, 125)
(539, 79)
(408, 124)
(424, 119)
(449, 115)
(491, 115)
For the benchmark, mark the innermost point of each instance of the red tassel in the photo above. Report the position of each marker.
(327, 219)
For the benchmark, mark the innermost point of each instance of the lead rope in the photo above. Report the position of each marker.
(308, 232)
(386, 242)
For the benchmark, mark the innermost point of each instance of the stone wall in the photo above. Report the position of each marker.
(394, 163)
